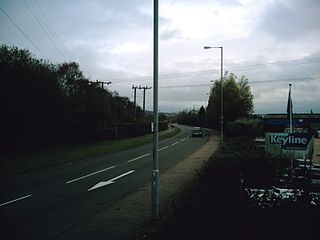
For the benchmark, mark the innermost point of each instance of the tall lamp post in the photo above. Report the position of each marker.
(221, 99)
(155, 167)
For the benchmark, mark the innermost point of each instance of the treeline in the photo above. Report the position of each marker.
(44, 104)
(193, 117)
(237, 104)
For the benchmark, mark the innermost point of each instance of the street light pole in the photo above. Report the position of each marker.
(221, 94)
(155, 168)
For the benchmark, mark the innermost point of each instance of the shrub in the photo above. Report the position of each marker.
(245, 128)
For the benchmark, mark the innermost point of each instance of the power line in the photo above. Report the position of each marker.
(44, 29)
(13, 22)
(54, 33)
(254, 82)
(287, 63)
(281, 63)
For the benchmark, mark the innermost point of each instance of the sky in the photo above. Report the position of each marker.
(273, 43)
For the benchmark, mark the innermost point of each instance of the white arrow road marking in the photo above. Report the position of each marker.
(137, 158)
(102, 184)
(100, 171)
(15, 200)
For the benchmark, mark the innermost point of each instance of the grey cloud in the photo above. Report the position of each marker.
(287, 20)
(170, 34)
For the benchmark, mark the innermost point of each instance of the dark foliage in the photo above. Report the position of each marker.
(192, 117)
(237, 100)
(44, 104)
(248, 128)
(213, 206)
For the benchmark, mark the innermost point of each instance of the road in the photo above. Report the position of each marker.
(44, 204)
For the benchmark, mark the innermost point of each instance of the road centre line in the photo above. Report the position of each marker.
(163, 148)
(183, 139)
(174, 143)
(89, 175)
(134, 159)
(15, 200)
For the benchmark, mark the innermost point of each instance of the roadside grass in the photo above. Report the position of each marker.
(35, 160)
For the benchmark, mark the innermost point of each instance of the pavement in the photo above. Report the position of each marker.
(133, 211)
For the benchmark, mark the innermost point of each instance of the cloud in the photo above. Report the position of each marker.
(288, 20)
(113, 40)
(170, 34)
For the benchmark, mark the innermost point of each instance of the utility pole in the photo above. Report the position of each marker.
(144, 98)
(135, 101)
(221, 101)
(102, 83)
(155, 168)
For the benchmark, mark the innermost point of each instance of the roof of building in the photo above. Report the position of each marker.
(294, 115)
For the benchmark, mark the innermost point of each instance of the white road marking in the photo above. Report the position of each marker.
(102, 184)
(15, 200)
(174, 143)
(163, 148)
(137, 158)
(89, 175)
(183, 139)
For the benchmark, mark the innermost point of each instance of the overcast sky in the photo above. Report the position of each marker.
(272, 43)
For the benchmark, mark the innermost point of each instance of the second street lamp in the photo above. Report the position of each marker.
(221, 99)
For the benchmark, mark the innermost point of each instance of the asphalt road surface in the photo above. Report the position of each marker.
(44, 204)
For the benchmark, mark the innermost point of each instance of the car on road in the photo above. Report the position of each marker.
(197, 132)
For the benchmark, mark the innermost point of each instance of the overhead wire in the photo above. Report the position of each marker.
(24, 34)
(254, 82)
(287, 63)
(44, 29)
(51, 28)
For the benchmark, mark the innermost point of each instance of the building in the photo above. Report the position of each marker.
(279, 122)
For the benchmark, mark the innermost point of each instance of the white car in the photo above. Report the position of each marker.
(197, 132)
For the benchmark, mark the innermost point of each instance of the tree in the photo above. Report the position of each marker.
(44, 104)
(237, 100)
(30, 99)
(202, 117)
(188, 117)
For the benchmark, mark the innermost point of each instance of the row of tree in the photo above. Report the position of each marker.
(237, 103)
(43, 103)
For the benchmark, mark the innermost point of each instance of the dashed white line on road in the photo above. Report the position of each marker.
(137, 158)
(89, 175)
(15, 200)
(183, 139)
(174, 143)
(163, 148)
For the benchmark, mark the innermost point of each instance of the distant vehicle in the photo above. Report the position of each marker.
(197, 132)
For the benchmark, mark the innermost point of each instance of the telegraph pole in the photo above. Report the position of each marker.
(144, 97)
(135, 101)
(102, 83)
(155, 169)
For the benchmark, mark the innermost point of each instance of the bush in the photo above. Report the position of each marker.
(241, 158)
(245, 128)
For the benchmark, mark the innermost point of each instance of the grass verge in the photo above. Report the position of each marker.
(22, 163)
